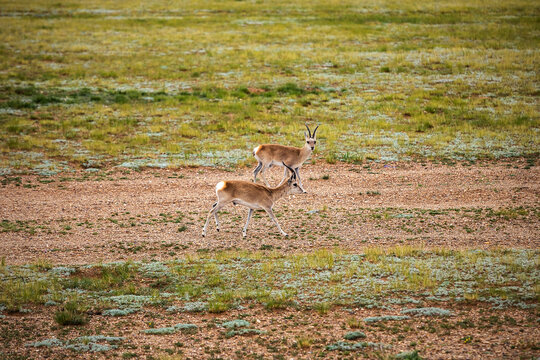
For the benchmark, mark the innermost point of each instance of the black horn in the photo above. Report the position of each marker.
(309, 131)
(314, 131)
(290, 169)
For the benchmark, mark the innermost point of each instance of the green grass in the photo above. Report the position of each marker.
(169, 86)
(15, 294)
(378, 277)
(71, 314)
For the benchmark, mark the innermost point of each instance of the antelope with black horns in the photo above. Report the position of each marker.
(273, 154)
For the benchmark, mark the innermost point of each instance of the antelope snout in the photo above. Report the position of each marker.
(312, 148)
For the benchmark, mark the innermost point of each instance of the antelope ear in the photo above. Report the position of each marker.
(305, 134)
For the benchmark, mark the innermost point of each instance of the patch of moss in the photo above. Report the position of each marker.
(244, 331)
(81, 344)
(354, 335)
(119, 312)
(46, 343)
(428, 311)
(347, 346)
(408, 355)
(160, 331)
(235, 324)
(195, 306)
(386, 318)
(90, 347)
(185, 328)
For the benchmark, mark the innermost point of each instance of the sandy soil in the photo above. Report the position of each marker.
(117, 217)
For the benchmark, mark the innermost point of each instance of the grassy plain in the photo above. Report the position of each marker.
(187, 83)
(411, 291)
(89, 85)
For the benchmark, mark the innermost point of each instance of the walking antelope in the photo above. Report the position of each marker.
(254, 196)
(273, 154)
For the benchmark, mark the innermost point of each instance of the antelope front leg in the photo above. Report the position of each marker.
(298, 177)
(271, 214)
(247, 222)
(256, 171)
(264, 177)
(285, 171)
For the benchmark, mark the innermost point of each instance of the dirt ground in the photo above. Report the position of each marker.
(473, 332)
(83, 218)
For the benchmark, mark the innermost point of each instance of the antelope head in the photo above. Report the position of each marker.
(294, 186)
(311, 139)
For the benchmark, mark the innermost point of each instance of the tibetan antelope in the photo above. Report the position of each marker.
(254, 196)
(273, 154)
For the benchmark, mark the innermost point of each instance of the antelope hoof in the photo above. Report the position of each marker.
(203, 234)
(285, 234)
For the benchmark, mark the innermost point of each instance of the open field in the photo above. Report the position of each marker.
(93, 83)
(122, 251)
(418, 237)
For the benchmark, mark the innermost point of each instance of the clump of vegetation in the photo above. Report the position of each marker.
(184, 328)
(160, 331)
(429, 311)
(347, 346)
(303, 342)
(119, 312)
(14, 294)
(243, 331)
(72, 313)
(81, 344)
(235, 324)
(46, 343)
(196, 306)
(386, 318)
(408, 355)
(354, 335)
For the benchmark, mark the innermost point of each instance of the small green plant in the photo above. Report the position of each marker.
(354, 335)
(372, 193)
(71, 314)
(408, 355)
(354, 323)
(304, 342)
(218, 306)
(322, 308)
(467, 339)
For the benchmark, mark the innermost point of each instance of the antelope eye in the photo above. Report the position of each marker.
(295, 185)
